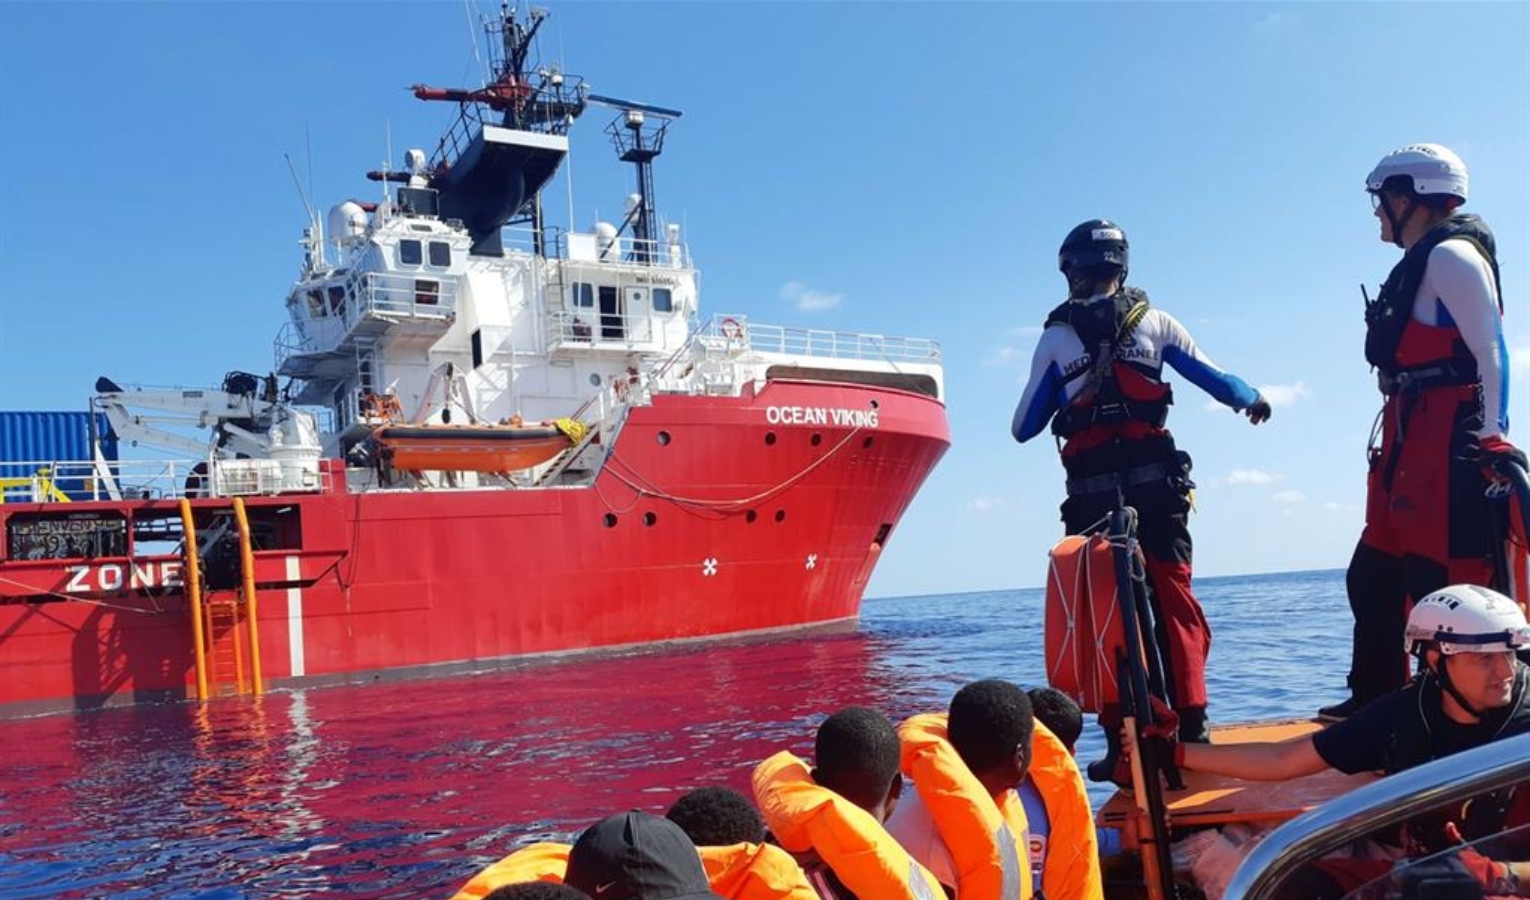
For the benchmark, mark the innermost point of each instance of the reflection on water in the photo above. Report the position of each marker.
(405, 789)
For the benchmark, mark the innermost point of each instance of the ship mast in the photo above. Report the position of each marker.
(638, 133)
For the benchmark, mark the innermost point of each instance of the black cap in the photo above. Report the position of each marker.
(637, 856)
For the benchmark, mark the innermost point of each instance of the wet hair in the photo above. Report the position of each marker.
(1058, 713)
(536, 890)
(856, 755)
(717, 817)
(988, 721)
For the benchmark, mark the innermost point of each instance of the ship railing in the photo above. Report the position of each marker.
(67, 481)
(737, 332)
(545, 113)
(579, 246)
(376, 296)
(593, 328)
(392, 295)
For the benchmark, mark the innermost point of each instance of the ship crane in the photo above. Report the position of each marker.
(244, 425)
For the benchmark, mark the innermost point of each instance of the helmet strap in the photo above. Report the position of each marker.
(1442, 676)
(1397, 222)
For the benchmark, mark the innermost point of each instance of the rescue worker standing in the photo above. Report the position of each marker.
(1434, 334)
(1097, 376)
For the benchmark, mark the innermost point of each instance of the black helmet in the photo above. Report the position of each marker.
(1093, 243)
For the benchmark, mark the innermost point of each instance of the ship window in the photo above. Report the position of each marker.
(584, 294)
(337, 299)
(316, 308)
(477, 347)
(409, 252)
(440, 254)
(663, 300)
(427, 292)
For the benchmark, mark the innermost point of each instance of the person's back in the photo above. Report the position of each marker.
(730, 836)
(964, 819)
(1064, 845)
(1098, 376)
(830, 816)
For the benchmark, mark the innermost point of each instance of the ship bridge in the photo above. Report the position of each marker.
(402, 289)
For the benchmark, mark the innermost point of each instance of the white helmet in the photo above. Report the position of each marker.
(1465, 618)
(1432, 168)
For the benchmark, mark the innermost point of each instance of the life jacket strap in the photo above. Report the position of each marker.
(1073, 419)
(1110, 481)
(1449, 373)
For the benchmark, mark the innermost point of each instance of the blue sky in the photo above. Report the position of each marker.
(896, 168)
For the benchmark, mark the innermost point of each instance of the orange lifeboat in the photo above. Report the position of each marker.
(470, 448)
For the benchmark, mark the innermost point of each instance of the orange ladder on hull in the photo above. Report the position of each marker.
(222, 626)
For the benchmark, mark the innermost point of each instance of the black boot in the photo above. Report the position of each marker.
(1192, 726)
(1340, 711)
(1103, 770)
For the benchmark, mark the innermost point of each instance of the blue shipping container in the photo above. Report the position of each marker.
(33, 438)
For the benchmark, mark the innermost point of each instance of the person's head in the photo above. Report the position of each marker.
(1467, 637)
(990, 727)
(1413, 188)
(1094, 258)
(1059, 713)
(856, 756)
(535, 890)
(637, 856)
(717, 817)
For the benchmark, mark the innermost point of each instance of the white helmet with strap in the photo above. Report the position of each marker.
(1465, 618)
(1430, 169)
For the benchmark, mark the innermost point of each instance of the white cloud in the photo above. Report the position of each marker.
(1519, 359)
(808, 299)
(1003, 356)
(1250, 476)
(1288, 496)
(1279, 395)
(1285, 394)
(984, 504)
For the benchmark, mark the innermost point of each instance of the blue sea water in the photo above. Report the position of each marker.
(405, 789)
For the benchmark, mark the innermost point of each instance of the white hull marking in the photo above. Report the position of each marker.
(295, 619)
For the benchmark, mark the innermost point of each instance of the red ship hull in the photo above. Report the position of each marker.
(712, 516)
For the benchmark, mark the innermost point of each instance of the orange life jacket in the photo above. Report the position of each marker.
(805, 816)
(1071, 870)
(755, 872)
(539, 862)
(987, 837)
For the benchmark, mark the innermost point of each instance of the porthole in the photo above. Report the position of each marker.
(876, 404)
(663, 438)
(780, 515)
(595, 379)
(866, 444)
(650, 517)
(770, 438)
(610, 520)
(817, 439)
